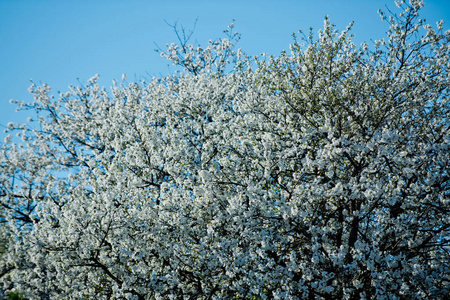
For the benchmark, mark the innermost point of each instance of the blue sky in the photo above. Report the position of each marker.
(61, 42)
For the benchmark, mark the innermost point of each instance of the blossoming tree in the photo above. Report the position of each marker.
(319, 174)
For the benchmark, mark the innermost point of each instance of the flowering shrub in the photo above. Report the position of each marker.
(319, 174)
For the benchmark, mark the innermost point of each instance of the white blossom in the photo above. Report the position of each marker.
(319, 174)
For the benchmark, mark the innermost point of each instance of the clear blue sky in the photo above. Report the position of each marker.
(58, 42)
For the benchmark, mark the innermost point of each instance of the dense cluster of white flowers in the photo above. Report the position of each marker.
(320, 174)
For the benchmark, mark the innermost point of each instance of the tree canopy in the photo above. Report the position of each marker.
(320, 173)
